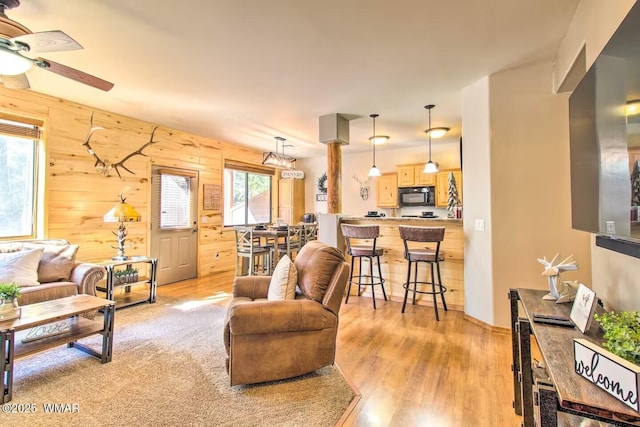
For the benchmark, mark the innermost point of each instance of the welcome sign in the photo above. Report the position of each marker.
(618, 377)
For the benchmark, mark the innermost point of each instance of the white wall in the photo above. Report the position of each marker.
(478, 252)
(614, 275)
(530, 183)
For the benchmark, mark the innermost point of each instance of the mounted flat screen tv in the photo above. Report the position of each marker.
(605, 139)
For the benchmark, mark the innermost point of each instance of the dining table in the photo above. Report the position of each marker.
(271, 236)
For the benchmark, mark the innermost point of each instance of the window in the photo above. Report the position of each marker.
(247, 195)
(177, 208)
(18, 178)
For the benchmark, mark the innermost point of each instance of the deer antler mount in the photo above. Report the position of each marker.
(105, 167)
(364, 186)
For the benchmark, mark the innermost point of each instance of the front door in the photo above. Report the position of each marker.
(174, 232)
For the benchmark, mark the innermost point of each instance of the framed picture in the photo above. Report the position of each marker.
(583, 307)
(212, 194)
(321, 197)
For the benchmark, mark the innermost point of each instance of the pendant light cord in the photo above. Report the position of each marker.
(429, 134)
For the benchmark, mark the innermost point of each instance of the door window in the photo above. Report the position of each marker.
(176, 210)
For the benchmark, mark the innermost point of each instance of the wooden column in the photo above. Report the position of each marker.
(334, 177)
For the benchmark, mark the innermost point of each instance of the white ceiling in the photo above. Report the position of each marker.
(245, 71)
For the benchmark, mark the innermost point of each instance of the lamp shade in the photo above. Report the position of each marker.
(374, 171)
(12, 64)
(378, 139)
(430, 167)
(436, 133)
(122, 212)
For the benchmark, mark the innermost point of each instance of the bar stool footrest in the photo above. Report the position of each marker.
(441, 288)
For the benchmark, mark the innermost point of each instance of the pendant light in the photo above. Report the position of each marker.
(430, 167)
(279, 160)
(376, 140)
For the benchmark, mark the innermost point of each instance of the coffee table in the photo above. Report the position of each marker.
(50, 324)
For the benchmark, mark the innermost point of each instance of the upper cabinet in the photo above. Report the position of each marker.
(387, 190)
(412, 176)
(442, 186)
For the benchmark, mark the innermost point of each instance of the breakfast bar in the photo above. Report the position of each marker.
(394, 266)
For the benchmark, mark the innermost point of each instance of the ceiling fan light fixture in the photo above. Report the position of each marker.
(12, 64)
(436, 133)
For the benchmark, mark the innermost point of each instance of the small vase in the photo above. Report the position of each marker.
(9, 309)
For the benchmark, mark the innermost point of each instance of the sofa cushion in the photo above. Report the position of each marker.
(20, 267)
(316, 264)
(56, 261)
(47, 292)
(283, 280)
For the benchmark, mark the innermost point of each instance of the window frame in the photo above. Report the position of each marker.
(247, 169)
(31, 130)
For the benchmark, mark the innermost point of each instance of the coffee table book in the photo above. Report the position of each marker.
(613, 374)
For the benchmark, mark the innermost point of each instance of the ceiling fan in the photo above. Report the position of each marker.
(16, 40)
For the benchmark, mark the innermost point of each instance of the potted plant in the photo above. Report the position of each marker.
(622, 334)
(9, 293)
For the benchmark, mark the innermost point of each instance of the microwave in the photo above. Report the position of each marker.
(417, 196)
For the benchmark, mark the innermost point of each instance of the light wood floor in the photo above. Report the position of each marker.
(409, 369)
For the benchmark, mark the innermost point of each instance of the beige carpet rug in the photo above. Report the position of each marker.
(167, 370)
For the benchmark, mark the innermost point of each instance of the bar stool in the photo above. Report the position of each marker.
(358, 250)
(427, 255)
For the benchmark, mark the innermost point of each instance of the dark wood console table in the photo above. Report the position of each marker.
(555, 395)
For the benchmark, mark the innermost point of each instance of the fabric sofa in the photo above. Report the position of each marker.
(269, 340)
(47, 270)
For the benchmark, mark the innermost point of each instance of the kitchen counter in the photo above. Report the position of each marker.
(408, 219)
(394, 266)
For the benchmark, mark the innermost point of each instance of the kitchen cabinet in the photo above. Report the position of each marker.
(387, 190)
(442, 186)
(412, 176)
(291, 200)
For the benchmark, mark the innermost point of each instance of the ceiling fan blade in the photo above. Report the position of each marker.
(18, 81)
(48, 41)
(73, 74)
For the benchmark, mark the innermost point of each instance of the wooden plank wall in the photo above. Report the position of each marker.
(77, 197)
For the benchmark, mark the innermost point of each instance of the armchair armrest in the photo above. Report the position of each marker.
(87, 275)
(262, 317)
(253, 287)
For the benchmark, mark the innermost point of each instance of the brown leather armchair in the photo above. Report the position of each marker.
(269, 340)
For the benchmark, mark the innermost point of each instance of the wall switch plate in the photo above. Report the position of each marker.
(611, 227)
(479, 224)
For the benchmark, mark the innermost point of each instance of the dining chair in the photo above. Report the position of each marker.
(293, 241)
(310, 232)
(250, 252)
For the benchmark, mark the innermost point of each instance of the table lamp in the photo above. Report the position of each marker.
(121, 213)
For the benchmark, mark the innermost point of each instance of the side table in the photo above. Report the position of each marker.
(113, 279)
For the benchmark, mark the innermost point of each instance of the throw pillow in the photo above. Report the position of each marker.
(20, 267)
(283, 281)
(56, 262)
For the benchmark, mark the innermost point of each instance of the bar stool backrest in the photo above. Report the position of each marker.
(421, 234)
(360, 232)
